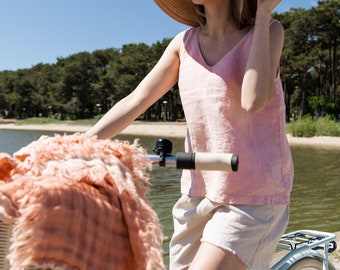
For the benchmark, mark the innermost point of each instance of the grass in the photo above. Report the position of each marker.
(309, 127)
(43, 120)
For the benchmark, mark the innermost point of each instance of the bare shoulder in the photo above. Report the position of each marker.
(179, 36)
(171, 53)
(176, 42)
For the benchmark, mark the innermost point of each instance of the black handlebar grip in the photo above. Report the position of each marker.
(234, 163)
(185, 160)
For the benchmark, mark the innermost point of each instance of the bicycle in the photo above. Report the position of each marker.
(303, 249)
(298, 250)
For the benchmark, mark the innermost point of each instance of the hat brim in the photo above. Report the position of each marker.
(182, 11)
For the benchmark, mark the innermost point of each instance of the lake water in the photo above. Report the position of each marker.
(315, 202)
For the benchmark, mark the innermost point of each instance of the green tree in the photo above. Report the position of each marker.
(128, 69)
(309, 58)
(326, 18)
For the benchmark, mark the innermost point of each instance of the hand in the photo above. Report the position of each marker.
(267, 5)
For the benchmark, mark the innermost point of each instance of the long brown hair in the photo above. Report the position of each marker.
(243, 12)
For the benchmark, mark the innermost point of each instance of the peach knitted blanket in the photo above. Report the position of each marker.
(77, 202)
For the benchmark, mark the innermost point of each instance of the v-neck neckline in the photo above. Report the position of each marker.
(223, 56)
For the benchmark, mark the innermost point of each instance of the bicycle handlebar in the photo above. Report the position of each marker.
(198, 161)
(195, 161)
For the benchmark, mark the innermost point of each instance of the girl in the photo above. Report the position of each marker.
(227, 69)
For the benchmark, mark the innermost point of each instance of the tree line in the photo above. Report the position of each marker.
(86, 84)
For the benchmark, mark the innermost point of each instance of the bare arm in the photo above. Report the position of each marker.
(160, 80)
(263, 62)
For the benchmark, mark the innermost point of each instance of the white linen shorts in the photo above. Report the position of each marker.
(249, 231)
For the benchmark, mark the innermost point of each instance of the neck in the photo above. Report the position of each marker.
(219, 21)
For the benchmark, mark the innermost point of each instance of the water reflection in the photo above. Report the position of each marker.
(315, 203)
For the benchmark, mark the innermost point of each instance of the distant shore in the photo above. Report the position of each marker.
(165, 129)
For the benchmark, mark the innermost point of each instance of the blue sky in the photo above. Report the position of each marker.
(39, 31)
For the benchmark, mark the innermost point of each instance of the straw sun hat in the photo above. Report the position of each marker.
(183, 11)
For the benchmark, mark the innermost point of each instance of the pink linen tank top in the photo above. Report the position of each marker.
(211, 99)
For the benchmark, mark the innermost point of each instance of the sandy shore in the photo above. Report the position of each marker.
(166, 129)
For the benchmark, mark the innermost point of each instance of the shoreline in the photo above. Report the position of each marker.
(166, 129)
